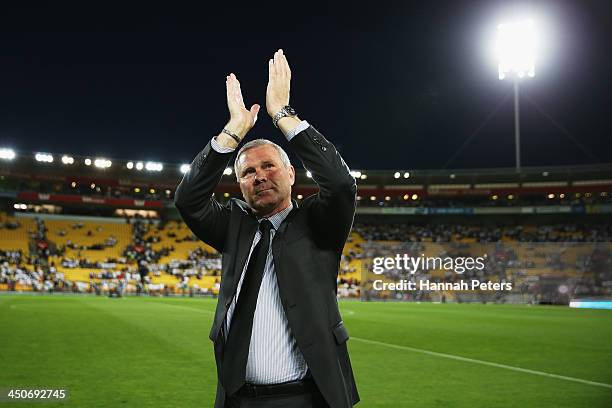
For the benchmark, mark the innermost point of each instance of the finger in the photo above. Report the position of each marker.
(254, 111)
(228, 89)
(271, 69)
(235, 90)
(286, 63)
(238, 94)
(231, 88)
(232, 83)
(281, 59)
(278, 56)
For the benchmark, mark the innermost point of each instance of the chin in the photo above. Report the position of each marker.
(263, 207)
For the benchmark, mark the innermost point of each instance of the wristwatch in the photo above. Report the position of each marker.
(284, 112)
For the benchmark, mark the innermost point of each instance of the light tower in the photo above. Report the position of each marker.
(516, 50)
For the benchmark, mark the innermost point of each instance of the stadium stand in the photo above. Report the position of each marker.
(133, 256)
(74, 228)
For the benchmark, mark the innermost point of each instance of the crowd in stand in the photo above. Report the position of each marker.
(140, 260)
(14, 271)
(548, 247)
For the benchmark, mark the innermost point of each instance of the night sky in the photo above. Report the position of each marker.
(407, 85)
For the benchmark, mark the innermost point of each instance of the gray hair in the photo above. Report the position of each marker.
(256, 143)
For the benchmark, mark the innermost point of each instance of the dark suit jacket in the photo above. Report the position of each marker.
(306, 250)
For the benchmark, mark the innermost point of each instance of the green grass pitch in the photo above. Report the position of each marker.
(155, 352)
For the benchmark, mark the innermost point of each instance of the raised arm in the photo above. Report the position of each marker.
(204, 215)
(334, 205)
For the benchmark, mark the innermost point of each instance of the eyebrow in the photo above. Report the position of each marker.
(244, 171)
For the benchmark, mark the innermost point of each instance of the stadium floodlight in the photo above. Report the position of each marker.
(130, 165)
(185, 168)
(7, 154)
(102, 163)
(308, 174)
(154, 166)
(139, 166)
(516, 47)
(397, 174)
(44, 157)
(227, 171)
(88, 162)
(363, 176)
(67, 159)
(407, 174)
(356, 174)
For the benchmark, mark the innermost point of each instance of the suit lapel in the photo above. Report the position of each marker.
(278, 244)
(248, 229)
(231, 275)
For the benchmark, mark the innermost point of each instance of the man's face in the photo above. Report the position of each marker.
(264, 180)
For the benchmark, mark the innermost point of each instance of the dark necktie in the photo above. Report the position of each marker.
(239, 338)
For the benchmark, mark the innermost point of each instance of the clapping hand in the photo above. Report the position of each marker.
(241, 118)
(279, 79)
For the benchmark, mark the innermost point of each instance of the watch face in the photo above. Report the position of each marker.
(290, 111)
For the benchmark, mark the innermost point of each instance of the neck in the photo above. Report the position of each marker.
(279, 208)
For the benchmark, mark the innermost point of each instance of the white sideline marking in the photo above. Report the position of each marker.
(487, 363)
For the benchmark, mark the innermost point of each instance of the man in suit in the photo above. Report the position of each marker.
(278, 336)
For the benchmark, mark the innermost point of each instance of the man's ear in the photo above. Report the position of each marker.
(291, 171)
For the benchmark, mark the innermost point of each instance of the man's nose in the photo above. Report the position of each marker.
(260, 176)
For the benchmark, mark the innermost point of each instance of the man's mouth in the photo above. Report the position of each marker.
(263, 190)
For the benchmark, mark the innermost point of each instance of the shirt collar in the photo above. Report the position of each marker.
(279, 217)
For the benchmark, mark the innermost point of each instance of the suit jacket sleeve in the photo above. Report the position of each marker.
(333, 208)
(202, 213)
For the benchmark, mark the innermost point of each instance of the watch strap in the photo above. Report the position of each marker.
(286, 111)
